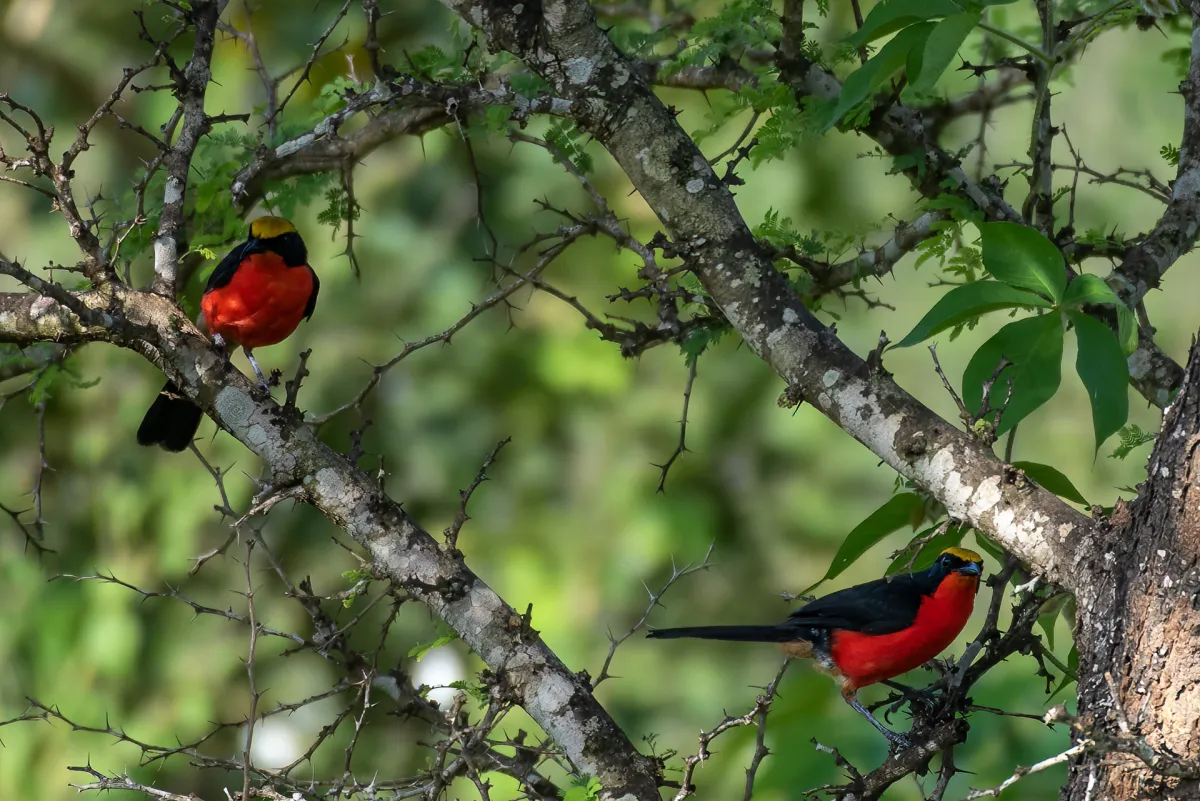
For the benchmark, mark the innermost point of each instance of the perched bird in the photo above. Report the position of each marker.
(255, 297)
(872, 632)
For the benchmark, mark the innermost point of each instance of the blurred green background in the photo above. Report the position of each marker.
(571, 522)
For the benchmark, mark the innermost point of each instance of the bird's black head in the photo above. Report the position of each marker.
(957, 560)
(277, 235)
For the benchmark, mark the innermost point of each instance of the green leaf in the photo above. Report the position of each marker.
(890, 16)
(586, 788)
(1132, 436)
(1088, 289)
(863, 82)
(418, 651)
(967, 302)
(1127, 329)
(1034, 346)
(1048, 615)
(1049, 478)
(953, 535)
(1020, 256)
(940, 48)
(1069, 678)
(1102, 367)
(900, 510)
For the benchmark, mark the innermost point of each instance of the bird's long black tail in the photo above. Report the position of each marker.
(171, 420)
(774, 633)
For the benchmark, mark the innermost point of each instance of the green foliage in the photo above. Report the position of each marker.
(922, 47)
(571, 143)
(1021, 257)
(905, 509)
(699, 340)
(1131, 436)
(1052, 479)
(781, 234)
(473, 691)
(584, 788)
(739, 25)
(339, 208)
(870, 77)
(1048, 615)
(890, 16)
(1030, 273)
(1170, 154)
(1102, 368)
(968, 302)
(940, 48)
(418, 651)
(1034, 346)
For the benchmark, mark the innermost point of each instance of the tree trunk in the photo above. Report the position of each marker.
(1139, 628)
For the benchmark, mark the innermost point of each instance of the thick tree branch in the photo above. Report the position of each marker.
(1177, 229)
(528, 672)
(411, 107)
(191, 87)
(561, 41)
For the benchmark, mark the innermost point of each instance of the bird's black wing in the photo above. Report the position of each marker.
(883, 606)
(311, 306)
(223, 274)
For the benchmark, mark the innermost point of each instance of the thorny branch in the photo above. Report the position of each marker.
(400, 104)
(614, 642)
(757, 717)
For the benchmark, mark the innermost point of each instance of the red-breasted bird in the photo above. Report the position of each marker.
(255, 297)
(871, 632)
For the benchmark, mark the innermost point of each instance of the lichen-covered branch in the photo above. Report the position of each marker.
(561, 41)
(1176, 230)
(191, 87)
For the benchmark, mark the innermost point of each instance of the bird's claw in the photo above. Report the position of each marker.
(899, 742)
(219, 341)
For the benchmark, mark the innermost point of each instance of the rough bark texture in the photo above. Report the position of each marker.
(1139, 623)
(525, 669)
(561, 41)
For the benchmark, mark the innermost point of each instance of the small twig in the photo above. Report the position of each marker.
(254, 694)
(677, 573)
(1021, 773)
(681, 447)
(464, 497)
(757, 716)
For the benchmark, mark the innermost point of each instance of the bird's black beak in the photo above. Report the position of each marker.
(971, 569)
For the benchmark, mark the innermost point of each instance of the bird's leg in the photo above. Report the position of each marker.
(895, 738)
(219, 341)
(262, 380)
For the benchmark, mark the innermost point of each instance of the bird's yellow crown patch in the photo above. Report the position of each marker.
(964, 554)
(270, 227)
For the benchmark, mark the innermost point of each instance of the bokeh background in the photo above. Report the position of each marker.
(571, 522)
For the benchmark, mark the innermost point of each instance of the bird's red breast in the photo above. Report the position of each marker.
(865, 659)
(262, 304)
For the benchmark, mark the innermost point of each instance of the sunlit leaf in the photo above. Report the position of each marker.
(900, 510)
(1020, 256)
(967, 302)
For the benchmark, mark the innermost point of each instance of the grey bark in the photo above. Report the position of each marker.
(1139, 628)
